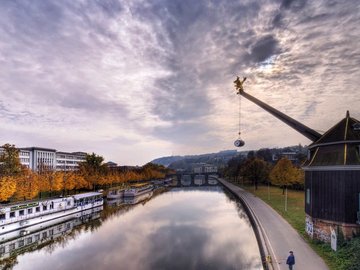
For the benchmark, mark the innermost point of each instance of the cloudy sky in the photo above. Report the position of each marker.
(136, 80)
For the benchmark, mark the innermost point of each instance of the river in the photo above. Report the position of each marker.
(184, 228)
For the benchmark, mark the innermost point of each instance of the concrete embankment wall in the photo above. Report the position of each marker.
(258, 230)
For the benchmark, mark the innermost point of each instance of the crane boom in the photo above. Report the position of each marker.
(304, 130)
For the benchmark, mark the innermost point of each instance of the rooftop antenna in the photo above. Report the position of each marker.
(239, 88)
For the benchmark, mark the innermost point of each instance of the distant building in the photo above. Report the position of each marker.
(111, 164)
(292, 156)
(69, 161)
(38, 158)
(204, 168)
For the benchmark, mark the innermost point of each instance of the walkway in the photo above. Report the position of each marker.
(279, 236)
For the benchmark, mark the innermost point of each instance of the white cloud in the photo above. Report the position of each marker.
(156, 77)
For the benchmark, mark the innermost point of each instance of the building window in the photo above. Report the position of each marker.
(37, 237)
(12, 214)
(29, 241)
(12, 247)
(21, 243)
(44, 235)
(2, 250)
(37, 209)
(44, 207)
(2, 216)
(30, 211)
(21, 213)
(308, 196)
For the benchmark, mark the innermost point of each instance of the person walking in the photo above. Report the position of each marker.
(291, 260)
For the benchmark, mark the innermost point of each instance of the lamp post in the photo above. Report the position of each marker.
(286, 194)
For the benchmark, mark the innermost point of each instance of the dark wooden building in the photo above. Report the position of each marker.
(332, 181)
(332, 175)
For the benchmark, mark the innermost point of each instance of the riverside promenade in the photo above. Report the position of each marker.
(276, 234)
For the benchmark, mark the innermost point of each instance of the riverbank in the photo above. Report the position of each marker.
(344, 258)
(279, 235)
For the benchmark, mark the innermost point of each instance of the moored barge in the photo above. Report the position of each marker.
(25, 214)
(139, 189)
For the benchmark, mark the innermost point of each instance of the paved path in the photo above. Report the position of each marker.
(279, 236)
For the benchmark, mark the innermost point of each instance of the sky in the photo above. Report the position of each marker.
(137, 80)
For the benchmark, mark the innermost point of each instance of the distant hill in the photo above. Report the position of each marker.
(186, 162)
(221, 158)
(166, 161)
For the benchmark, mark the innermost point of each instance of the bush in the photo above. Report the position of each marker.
(349, 255)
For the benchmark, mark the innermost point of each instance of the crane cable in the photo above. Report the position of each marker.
(239, 116)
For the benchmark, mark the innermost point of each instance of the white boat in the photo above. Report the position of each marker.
(41, 234)
(115, 193)
(138, 190)
(25, 214)
(168, 181)
(138, 199)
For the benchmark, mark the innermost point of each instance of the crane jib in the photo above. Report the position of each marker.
(301, 128)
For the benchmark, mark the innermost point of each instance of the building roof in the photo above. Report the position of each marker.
(84, 195)
(348, 129)
(37, 148)
(339, 146)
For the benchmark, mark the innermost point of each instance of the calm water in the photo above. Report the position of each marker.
(185, 228)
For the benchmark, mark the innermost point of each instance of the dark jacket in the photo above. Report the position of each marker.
(290, 260)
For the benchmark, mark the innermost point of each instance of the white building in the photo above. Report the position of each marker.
(69, 161)
(292, 156)
(24, 156)
(38, 158)
(205, 168)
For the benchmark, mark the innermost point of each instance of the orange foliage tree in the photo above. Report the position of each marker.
(27, 185)
(7, 187)
(285, 173)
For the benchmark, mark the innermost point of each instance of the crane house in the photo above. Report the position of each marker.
(332, 175)
(332, 182)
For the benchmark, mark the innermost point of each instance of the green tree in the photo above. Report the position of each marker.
(93, 169)
(255, 170)
(9, 161)
(233, 167)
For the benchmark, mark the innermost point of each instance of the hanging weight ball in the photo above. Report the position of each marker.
(239, 143)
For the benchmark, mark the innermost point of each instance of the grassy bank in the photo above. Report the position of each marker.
(348, 254)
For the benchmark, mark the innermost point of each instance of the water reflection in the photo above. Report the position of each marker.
(185, 228)
(43, 235)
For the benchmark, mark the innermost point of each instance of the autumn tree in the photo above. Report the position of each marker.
(285, 173)
(7, 187)
(255, 170)
(69, 181)
(80, 181)
(27, 185)
(9, 160)
(50, 181)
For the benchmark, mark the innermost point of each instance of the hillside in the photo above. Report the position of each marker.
(221, 158)
(185, 162)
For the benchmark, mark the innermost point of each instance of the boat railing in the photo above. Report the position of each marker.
(34, 215)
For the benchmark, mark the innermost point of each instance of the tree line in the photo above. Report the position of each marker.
(257, 169)
(17, 182)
